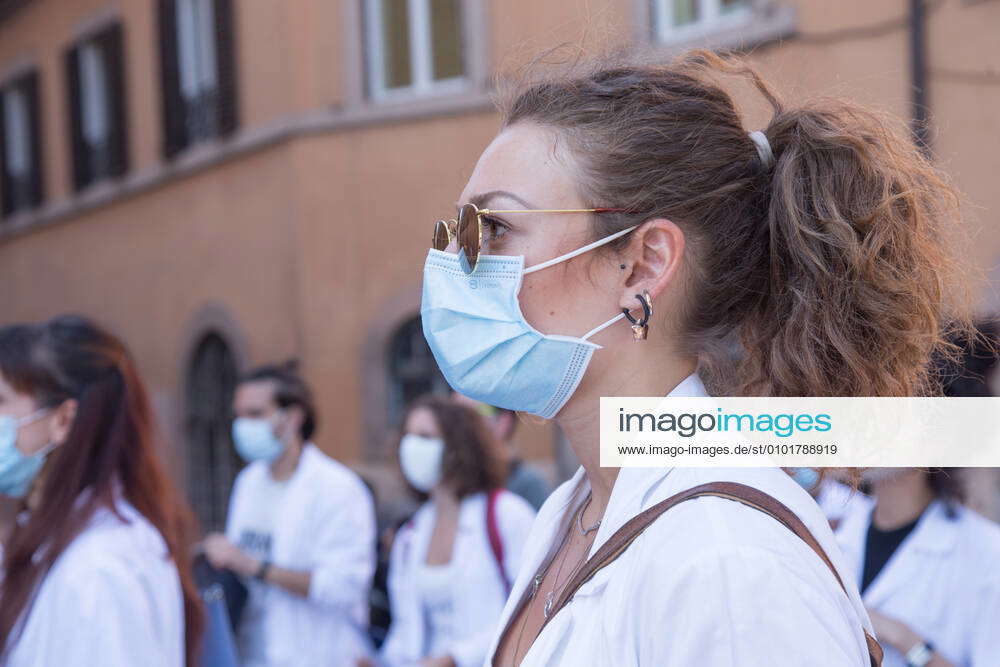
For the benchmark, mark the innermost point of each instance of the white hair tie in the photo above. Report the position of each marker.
(763, 147)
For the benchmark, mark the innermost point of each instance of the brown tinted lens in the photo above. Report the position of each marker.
(441, 238)
(468, 236)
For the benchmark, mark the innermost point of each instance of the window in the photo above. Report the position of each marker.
(95, 73)
(20, 145)
(212, 463)
(681, 19)
(415, 47)
(412, 369)
(197, 66)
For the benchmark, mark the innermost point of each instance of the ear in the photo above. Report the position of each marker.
(62, 421)
(651, 259)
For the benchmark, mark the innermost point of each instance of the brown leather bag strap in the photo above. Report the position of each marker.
(742, 493)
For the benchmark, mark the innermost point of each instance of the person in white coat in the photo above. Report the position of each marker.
(810, 248)
(927, 568)
(300, 531)
(452, 564)
(95, 566)
(833, 496)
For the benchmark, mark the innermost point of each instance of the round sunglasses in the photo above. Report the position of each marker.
(468, 229)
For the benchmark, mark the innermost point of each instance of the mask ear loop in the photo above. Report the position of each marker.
(602, 327)
(647, 310)
(578, 251)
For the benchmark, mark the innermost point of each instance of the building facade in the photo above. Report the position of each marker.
(231, 182)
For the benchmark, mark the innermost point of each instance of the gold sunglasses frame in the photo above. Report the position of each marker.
(452, 230)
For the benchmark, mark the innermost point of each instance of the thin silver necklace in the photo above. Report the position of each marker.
(579, 519)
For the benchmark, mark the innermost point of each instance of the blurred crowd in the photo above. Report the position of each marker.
(299, 576)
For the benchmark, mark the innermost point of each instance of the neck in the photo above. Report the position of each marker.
(284, 466)
(580, 421)
(443, 497)
(900, 500)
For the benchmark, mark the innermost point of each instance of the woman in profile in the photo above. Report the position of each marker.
(95, 567)
(812, 246)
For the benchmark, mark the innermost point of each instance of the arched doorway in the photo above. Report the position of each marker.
(212, 462)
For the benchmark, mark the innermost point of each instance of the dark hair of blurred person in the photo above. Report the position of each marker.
(87, 381)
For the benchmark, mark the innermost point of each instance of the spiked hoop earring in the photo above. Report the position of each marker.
(641, 327)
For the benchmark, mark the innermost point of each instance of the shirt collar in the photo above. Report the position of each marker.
(633, 485)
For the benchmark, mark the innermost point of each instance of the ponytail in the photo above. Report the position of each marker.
(857, 262)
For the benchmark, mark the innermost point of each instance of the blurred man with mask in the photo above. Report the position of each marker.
(300, 531)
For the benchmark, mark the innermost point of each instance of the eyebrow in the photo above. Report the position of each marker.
(481, 200)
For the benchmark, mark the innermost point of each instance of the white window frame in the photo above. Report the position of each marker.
(421, 54)
(17, 129)
(196, 48)
(95, 97)
(711, 19)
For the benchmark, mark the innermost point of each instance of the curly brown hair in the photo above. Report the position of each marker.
(826, 273)
(470, 463)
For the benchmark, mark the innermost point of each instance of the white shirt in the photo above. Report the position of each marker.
(712, 582)
(837, 500)
(112, 598)
(477, 593)
(943, 581)
(434, 584)
(254, 527)
(326, 526)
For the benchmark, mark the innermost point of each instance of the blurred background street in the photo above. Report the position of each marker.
(227, 183)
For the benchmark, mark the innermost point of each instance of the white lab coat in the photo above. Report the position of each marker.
(943, 581)
(112, 598)
(478, 594)
(712, 582)
(837, 500)
(326, 526)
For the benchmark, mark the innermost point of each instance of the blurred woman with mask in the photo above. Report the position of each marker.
(452, 564)
(95, 570)
(927, 568)
(812, 247)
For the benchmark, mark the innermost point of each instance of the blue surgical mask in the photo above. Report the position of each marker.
(484, 346)
(18, 471)
(255, 440)
(806, 477)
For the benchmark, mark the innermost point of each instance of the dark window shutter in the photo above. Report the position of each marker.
(80, 163)
(225, 50)
(174, 133)
(37, 184)
(6, 202)
(112, 43)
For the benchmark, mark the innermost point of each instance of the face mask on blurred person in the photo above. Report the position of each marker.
(876, 475)
(18, 471)
(420, 459)
(255, 440)
(806, 477)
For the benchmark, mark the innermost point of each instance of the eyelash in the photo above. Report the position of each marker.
(491, 227)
